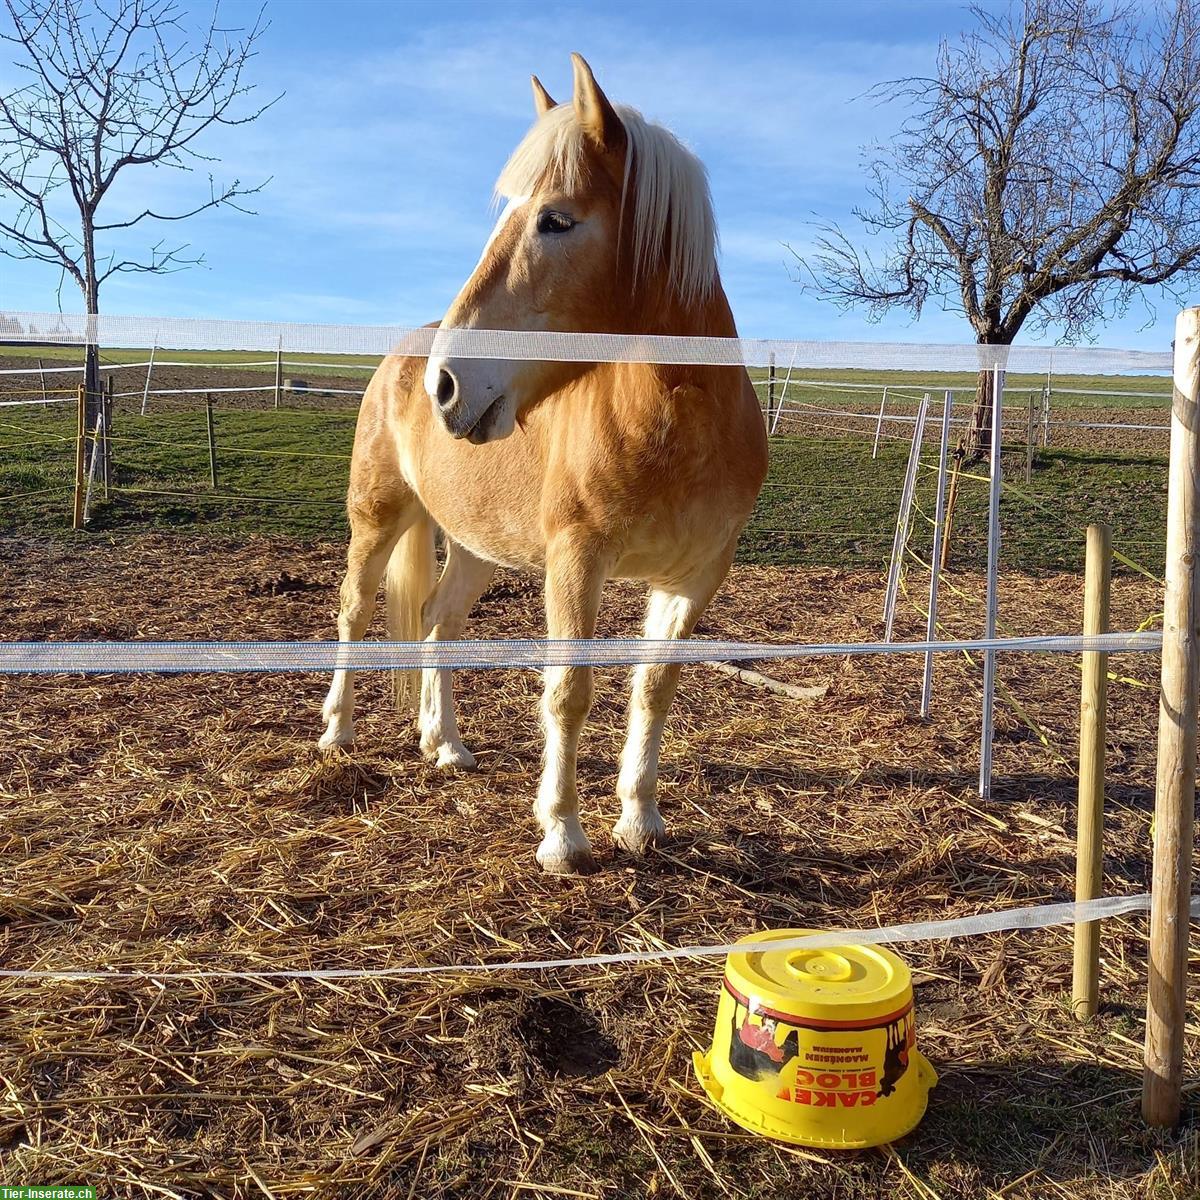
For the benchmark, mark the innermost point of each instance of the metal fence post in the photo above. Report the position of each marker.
(80, 435)
(879, 425)
(771, 389)
(903, 520)
(146, 386)
(935, 561)
(993, 584)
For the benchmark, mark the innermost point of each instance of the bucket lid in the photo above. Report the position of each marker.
(842, 983)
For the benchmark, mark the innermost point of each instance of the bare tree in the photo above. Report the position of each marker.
(105, 86)
(1048, 173)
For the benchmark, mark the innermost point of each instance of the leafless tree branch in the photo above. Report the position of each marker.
(1048, 173)
(105, 87)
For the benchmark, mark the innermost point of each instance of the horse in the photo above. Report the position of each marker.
(581, 471)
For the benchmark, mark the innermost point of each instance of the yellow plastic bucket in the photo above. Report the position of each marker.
(817, 1047)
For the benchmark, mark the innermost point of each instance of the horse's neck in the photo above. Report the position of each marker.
(663, 313)
(667, 316)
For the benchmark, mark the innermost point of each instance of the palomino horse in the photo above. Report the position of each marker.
(586, 471)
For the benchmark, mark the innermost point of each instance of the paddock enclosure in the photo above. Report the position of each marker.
(190, 820)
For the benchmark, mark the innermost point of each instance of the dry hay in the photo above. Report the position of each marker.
(190, 822)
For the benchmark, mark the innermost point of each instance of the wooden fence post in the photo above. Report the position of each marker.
(42, 373)
(212, 440)
(278, 372)
(960, 453)
(1029, 443)
(1089, 830)
(81, 433)
(770, 388)
(1175, 792)
(106, 405)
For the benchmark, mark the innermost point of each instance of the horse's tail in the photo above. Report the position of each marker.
(407, 584)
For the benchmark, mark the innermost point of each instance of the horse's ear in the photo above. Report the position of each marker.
(597, 116)
(543, 102)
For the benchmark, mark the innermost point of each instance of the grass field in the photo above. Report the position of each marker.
(826, 502)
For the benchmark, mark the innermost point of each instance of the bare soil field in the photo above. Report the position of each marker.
(231, 387)
(189, 822)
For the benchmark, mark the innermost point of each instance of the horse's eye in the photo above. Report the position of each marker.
(550, 221)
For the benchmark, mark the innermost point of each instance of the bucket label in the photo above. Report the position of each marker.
(818, 1063)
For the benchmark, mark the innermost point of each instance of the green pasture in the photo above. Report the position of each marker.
(826, 502)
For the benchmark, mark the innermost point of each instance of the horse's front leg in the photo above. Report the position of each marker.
(575, 574)
(373, 534)
(464, 579)
(672, 612)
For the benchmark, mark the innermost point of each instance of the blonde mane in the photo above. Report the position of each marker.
(673, 225)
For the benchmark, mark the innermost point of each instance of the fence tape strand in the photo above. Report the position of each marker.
(1039, 916)
(110, 658)
(114, 330)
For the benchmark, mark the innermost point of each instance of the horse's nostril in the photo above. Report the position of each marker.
(447, 389)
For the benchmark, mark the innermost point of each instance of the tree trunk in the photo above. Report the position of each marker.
(91, 364)
(979, 439)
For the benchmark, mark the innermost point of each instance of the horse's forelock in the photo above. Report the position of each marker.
(673, 228)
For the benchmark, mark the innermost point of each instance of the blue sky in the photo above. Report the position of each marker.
(397, 117)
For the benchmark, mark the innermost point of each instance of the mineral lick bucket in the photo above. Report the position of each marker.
(817, 1047)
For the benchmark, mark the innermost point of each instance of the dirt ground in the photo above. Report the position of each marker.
(190, 822)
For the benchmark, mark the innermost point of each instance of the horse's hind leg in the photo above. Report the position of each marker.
(464, 579)
(373, 535)
(672, 612)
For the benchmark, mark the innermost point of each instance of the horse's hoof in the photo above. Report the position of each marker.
(638, 834)
(336, 735)
(450, 756)
(558, 857)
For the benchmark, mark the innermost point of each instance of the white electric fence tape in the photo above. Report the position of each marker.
(31, 403)
(1033, 917)
(179, 333)
(110, 658)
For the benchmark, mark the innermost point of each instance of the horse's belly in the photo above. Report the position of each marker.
(672, 545)
(495, 525)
